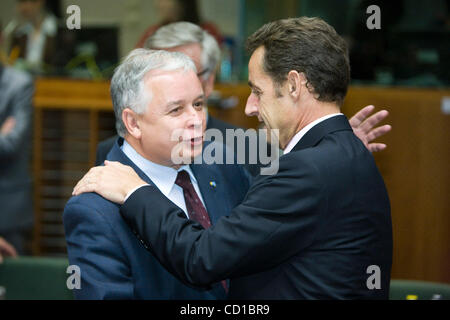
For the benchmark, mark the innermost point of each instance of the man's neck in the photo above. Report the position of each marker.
(309, 113)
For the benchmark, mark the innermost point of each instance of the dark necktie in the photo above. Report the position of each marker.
(194, 205)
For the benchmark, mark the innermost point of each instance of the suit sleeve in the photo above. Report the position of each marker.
(277, 219)
(93, 246)
(21, 110)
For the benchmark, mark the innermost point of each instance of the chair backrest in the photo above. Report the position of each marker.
(420, 290)
(35, 278)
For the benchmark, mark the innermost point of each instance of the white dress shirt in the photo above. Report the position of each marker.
(163, 177)
(303, 131)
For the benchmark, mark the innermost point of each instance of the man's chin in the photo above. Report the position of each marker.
(185, 152)
(190, 154)
(196, 152)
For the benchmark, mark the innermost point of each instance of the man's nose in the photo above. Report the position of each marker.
(251, 108)
(196, 117)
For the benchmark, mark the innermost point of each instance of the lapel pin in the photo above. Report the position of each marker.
(212, 184)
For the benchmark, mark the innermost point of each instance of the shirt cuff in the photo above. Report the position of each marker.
(131, 192)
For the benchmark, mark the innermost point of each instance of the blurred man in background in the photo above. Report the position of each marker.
(32, 36)
(16, 214)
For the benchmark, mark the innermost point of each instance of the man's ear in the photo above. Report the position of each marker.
(130, 119)
(294, 82)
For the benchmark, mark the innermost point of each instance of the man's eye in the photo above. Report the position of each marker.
(257, 93)
(175, 110)
(199, 104)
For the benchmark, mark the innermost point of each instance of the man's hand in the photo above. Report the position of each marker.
(113, 181)
(8, 126)
(364, 128)
(6, 250)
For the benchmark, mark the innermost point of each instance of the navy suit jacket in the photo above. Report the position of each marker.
(114, 264)
(311, 231)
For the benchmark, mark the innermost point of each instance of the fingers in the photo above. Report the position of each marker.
(8, 125)
(91, 176)
(374, 147)
(111, 181)
(361, 115)
(82, 181)
(378, 132)
(84, 188)
(7, 249)
(121, 167)
(114, 163)
(373, 120)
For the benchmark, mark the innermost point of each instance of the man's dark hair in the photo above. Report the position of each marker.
(308, 45)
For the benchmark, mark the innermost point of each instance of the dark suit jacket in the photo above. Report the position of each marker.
(213, 123)
(16, 94)
(308, 232)
(114, 264)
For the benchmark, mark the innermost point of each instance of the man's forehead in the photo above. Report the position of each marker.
(254, 68)
(158, 73)
(166, 80)
(257, 56)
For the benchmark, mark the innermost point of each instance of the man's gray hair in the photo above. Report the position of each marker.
(129, 78)
(183, 33)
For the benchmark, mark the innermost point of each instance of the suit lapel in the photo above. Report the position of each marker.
(116, 154)
(313, 136)
(213, 191)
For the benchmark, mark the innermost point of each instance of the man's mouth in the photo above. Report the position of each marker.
(196, 141)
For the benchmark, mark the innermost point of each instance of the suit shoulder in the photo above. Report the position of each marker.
(334, 146)
(90, 203)
(302, 160)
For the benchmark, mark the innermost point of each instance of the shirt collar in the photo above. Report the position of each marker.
(162, 176)
(303, 131)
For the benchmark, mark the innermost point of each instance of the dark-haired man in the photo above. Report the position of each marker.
(313, 229)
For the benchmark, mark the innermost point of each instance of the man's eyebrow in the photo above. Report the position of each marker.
(253, 86)
(182, 102)
(202, 96)
(174, 103)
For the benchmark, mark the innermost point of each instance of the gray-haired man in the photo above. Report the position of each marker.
(154, 94)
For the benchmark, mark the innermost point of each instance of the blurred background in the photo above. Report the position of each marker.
(402, 67)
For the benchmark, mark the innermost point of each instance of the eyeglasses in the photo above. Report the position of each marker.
(203, 72)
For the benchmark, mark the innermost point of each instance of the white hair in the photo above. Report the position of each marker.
(129, 78)
(182, 33)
